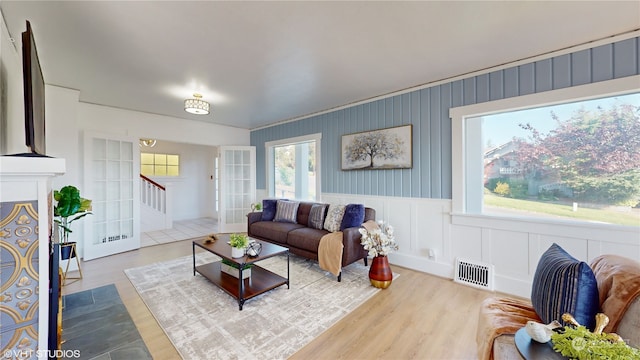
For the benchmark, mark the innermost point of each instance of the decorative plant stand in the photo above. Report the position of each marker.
(72, 255)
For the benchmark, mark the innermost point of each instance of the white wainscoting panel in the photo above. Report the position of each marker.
(466, 242)
(512, 245)
(401, 216)
(420, 224)
(574, 246)
(516, 244)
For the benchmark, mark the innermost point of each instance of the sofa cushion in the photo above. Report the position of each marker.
(562, 284)
(303, 212)
(306, 238)
(629, 326)
(334, 217)
(272, 230)
(618, 285)
(353, 216)
(317, 215)
(286, 211)
(269, 209)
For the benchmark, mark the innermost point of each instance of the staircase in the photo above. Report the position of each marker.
(155, 206)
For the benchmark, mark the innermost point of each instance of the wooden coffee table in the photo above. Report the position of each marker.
(261, 280)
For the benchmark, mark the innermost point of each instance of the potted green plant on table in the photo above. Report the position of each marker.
(256, 207)
(231, 268)
(70, 206)
(238, 244)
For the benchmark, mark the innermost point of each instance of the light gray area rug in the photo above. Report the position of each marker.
(204, 322)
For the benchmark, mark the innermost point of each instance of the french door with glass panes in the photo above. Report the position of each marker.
(111, 177)
(237, 186)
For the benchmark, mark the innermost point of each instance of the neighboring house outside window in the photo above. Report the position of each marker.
(573, 160)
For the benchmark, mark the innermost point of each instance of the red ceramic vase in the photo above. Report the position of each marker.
(380, 273)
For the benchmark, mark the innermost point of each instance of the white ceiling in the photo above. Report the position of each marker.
(259, 63)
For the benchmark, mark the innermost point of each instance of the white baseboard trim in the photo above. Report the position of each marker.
(421, 264)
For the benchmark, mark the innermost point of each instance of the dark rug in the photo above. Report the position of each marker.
(97, 324)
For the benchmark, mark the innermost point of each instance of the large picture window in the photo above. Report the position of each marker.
(558, 156)
(579, 160)
(293, 171)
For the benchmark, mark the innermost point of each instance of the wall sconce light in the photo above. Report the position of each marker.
(147, 142)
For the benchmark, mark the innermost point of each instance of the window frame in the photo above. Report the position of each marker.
(166, 166)
(270, 161)
(466, 200)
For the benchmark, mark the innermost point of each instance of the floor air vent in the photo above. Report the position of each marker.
(474, 273)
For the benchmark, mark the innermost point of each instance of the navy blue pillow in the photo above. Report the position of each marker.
(353, 216)
(269, 207)
(563, 284)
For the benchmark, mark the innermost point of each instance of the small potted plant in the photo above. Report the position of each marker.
(69, 208)
(231, 268)
(256, 207)
(238, 244)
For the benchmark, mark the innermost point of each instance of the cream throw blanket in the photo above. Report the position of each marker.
(330, 252)
(370, 225)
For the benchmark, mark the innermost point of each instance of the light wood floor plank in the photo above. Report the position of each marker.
(419, 316)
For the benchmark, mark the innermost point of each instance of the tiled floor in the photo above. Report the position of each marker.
(97, 325)
(183, 229)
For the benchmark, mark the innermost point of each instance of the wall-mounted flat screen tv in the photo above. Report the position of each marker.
(33, 94)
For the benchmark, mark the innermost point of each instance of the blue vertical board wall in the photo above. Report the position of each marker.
(428, 111)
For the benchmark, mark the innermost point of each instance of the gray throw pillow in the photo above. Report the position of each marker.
(316, 216)
(334, 218)
(286, 211)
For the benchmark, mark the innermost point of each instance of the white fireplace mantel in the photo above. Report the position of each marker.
(25, 195)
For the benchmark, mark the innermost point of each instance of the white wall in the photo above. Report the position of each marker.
(145, 125)
(193, 190)
(67, 118)
(12, 139)
(63, 137)
(195, 141)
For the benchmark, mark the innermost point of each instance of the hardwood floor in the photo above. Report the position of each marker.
(419, 316)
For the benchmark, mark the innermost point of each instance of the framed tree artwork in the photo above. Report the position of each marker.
(389, 148)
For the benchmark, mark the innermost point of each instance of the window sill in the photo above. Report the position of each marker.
(552, 227)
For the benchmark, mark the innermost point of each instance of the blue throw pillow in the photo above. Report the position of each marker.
(563, 284)
(353, 216)
(269, 207)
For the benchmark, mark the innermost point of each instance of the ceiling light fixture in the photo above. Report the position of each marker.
(147, 142)
(196, 105)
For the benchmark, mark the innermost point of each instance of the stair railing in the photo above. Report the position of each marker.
(153, 194)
